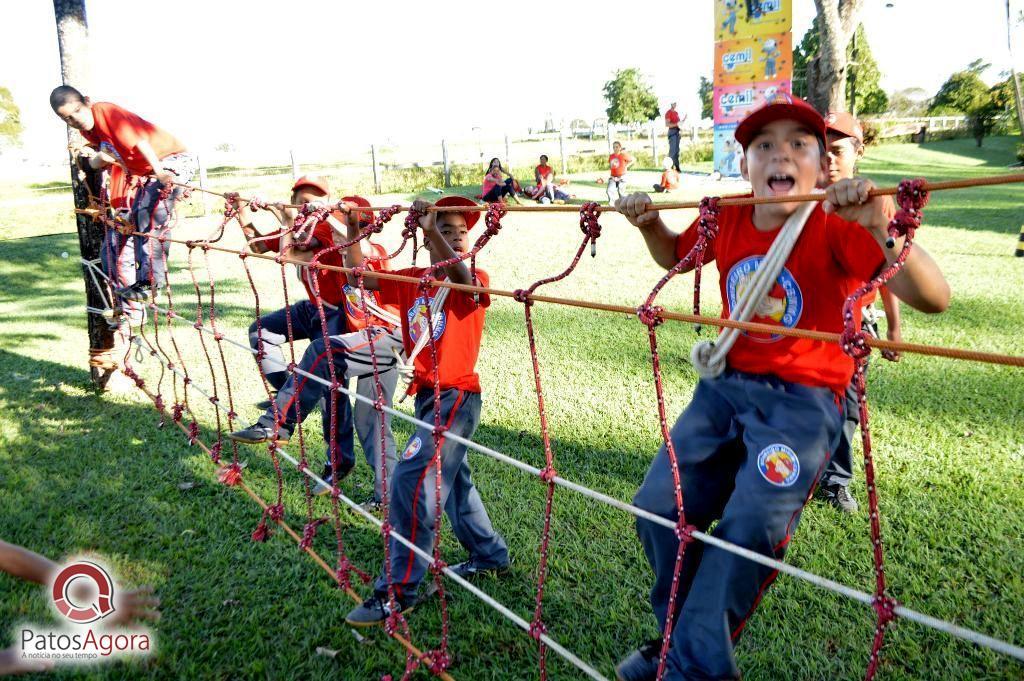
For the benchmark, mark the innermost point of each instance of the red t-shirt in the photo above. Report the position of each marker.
(353, 304)
(670, 179)
(120, 186)
(331, 282)
(544, 171)
(672, 117)
(831, 260)
(617, 163)
(458, 328)
(123, 130)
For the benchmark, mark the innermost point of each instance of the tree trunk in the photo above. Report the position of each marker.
(837, 20)
(72, 37)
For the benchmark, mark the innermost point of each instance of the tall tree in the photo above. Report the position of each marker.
(630, 99)
(10, 118)
(705, 92)
(72, 38)
(864, 93)
(826, 73)
(965, 92)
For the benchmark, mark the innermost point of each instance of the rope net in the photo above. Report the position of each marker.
(149, 329)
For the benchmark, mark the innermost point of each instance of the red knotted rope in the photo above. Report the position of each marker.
(911, 198)
(649, 314)
(591, 231)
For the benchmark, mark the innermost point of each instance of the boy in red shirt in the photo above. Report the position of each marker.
(272, 328)
(147, 152)
(458, 322)
(618, 163)
(754, 440)
(672, 124)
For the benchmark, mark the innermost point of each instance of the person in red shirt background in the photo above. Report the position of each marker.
(457, 321)
(147, 152)
(672, 121)
(618, 163)
(754, 440)
(498, 183)
(669, 178)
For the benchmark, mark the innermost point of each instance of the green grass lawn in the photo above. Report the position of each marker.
(81, 471)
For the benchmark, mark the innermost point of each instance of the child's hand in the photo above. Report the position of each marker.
(849, 200)
(428, 220)
(635, 208)
(135, 606)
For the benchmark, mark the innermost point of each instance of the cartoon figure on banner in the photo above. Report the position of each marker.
(731, 159)
(730, 20)
(771, 54)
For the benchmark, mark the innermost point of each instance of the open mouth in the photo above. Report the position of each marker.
(781, 184)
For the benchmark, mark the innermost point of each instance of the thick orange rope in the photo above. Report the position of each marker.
(931, 350)
(1008, 178)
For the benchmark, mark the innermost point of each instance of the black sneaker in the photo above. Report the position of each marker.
(641, 664)
(265, 404)
(327, 476)
(470, 569)
(374, 610)
(837, 496)
(257, 433)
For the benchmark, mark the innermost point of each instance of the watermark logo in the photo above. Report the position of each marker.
(84, 592)
(101, 583)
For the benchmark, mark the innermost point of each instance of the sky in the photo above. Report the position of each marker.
(274, 75)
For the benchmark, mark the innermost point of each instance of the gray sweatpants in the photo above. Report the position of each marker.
(150, 213)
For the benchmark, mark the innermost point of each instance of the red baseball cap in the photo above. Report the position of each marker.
(313, 181)
(454, 200)
(844, 124)
(365, 216)
(782, 106)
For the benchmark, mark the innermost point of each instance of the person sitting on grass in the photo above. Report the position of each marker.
(149, 153)
(669, 178)
(498, 183)
(546, 189)
(754, 440)
(457, 321)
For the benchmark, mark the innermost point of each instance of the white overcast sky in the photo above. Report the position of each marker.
(307, 72)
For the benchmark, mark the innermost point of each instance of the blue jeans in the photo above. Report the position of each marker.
(414, 494)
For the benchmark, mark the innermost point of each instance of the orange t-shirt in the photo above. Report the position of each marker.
(670, 179)
(120, 186)
(830, 261)
(544, 171)
(353, 303)
(617, 163)
(458, 328)
(123, 129)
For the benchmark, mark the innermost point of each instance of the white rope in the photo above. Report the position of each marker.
(855, 594)
(708, 357)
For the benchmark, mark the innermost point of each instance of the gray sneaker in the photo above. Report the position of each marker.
(838, 496)
(257, 433)
(641, 664)
(470, 569)
(374, 610)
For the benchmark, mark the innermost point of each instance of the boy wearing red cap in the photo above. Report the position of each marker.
(753, 441)
(457, 322)
(304, 314)
(845, 138)
(147, 152)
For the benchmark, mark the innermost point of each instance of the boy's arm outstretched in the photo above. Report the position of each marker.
(920, 283)
(661, 241)
(438, 246)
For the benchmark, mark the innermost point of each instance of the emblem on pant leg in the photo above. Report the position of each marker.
(779, 465)
(412, 449)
